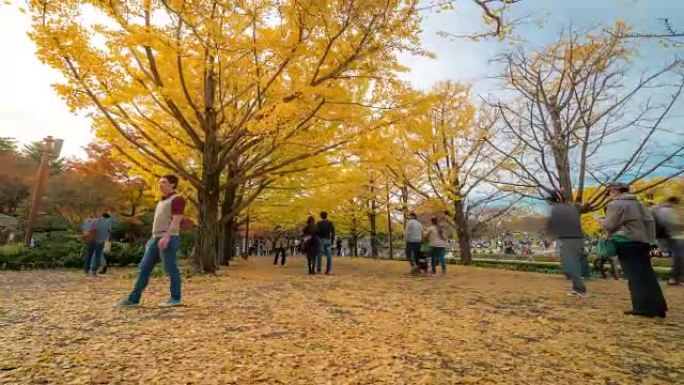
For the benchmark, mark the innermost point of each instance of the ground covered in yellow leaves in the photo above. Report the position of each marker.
(367, 324)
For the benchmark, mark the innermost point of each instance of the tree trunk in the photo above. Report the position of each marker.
(247, 235)
(404, 203)
(230, 236)
(389, 225)
(354, 239)
(227, 244)
(373, 230)
(205, 256)
(463, 232)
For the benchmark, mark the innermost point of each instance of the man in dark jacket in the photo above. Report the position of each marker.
(326, 234)
(564, 224)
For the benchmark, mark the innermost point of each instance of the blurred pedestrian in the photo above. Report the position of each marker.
(326, 235)
(413, 236)
(564, 224)
(311, 243)
(279, 243)
(434, 235)
(670, 236)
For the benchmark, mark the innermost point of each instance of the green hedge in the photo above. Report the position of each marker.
(60, 249)
(660, 265)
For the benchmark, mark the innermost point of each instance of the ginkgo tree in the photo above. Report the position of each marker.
(193, 86)
(448, 143)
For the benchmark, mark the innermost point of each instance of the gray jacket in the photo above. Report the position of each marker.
(414, 231)
(564, 221)
(628, 217)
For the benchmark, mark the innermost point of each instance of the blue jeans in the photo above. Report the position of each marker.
(168, 257)
(571, 251)
(326, 247)
(437, 254)
(93, 257)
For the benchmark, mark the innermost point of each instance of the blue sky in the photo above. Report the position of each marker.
(30, 110)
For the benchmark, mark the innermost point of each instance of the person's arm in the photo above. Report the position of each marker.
(649, 222)
(177, 207)
(613, 218)
(332, 233)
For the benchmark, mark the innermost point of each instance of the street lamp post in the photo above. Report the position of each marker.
(51, 148)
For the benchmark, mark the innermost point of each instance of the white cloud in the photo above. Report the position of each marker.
(29, 108)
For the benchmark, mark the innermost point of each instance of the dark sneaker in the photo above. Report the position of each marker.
(127, 303)
(171, 303)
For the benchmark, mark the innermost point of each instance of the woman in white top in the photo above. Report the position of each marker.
(434, 235)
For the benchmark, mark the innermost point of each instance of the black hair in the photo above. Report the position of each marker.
(105, 215)
(673, 200)
(171, 179)
(554, 197)
(324, 215)
(412, 215)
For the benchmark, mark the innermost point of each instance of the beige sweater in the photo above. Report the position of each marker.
(431, 235)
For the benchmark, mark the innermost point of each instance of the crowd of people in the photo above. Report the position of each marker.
(630, 231)
(629, 226)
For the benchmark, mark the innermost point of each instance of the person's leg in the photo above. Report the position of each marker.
(433, 259)
(650, 299)
(283, 255)
(319, 256)
(311, 262)
(168, 257)
(625, 257)
(586, 270)
(442, 258)
(407, 252)
(144, 270)
(95, 263)
(103, 264)
(415, 253)
(599, 267)
(327, 248)
(89, 250)
(571, 257)
(645, 293)
(677, 255)
(275, 260)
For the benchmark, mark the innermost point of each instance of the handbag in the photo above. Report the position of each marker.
(424, 247)
(606, 248)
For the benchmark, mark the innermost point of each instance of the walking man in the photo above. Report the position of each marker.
(670, 237)
(564, 224)
(279, 243)
(96, 233)
(164, 242)
(413, 235)
(326, 234)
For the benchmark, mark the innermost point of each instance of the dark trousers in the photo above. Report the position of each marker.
(412, 253)
(676, 248)
(311, 262)
(278, 252)
(647, 296)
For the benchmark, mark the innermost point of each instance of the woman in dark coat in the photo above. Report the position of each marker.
(311, 243)
(631, 227)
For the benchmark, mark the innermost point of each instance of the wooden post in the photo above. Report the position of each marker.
(38, 189)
